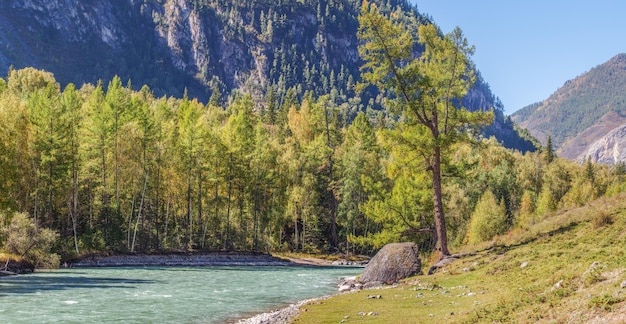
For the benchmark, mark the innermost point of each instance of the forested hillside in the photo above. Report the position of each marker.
(272, 50)
(582, 111)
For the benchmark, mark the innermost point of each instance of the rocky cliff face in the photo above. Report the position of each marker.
(76, 20)
(609, 149)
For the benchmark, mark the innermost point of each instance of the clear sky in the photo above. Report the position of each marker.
(527, 49)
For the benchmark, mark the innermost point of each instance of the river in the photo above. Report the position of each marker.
(160, 294)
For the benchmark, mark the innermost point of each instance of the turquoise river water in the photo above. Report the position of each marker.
(160, 294)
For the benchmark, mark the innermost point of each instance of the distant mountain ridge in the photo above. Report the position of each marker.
(262, 47)
(582, 112)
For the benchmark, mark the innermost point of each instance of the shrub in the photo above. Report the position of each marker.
(601, 219)
(22, 238)
(488, 219)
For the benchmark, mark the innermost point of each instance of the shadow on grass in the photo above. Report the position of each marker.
(502, 248)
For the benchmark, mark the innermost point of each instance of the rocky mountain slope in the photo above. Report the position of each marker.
(582, 112)
(262, 47)
(609, 149)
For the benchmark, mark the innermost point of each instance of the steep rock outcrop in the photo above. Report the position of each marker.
(609, 149)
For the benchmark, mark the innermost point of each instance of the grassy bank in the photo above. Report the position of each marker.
(571, 267)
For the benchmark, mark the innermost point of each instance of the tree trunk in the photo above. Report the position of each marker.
(199, 212)
(256, 210)
(167, 220)
(189, 214)
(332, 200)
(230, 185)
(130, 221)
(440, 222)
(217, 187)
(74, 200)
(296, 233)
(143, 196)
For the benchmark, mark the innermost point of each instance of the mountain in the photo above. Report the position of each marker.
(204, 47)
(582, 112)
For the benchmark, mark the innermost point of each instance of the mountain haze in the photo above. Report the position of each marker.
(582, 111)
(211, 46)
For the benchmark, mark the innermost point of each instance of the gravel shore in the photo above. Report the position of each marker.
(280, 316)
(181, 259)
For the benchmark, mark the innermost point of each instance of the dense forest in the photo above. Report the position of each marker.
(111, 169)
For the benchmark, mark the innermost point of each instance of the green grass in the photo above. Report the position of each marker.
(576, 261)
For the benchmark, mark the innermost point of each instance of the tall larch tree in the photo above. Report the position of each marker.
(424, 91)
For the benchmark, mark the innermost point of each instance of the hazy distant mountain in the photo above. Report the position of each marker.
(582, 112)
(205, 45)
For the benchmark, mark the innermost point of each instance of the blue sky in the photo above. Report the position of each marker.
(527, 49)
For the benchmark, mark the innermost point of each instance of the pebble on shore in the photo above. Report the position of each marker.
(281, 316)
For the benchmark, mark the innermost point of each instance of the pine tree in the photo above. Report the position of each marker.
(549, 151)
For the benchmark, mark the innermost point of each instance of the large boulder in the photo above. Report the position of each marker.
(393, 262)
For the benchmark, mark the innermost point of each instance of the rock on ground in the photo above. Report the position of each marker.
(393, 262)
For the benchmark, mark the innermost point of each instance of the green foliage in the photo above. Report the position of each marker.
(527, 209)
(606, 301)
(23, 238)
(545, 202)
(488, 219)
(424, 93)
(549, 151)
(113, 169)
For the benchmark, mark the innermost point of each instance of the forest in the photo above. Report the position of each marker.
(105, 168)
(112, 169)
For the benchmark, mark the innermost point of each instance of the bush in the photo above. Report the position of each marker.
(22, 238)
(488, 219)
(601, 219)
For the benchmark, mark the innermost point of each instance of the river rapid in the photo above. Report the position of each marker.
(160, 294)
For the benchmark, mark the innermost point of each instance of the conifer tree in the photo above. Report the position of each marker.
(488, 219)
(549, 151)
(425, 90)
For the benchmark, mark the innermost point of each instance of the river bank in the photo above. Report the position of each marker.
(182, 259)
(13, 265)
(280, 316)
(207, 259)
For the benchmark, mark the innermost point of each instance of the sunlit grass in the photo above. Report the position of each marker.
(568, 267)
